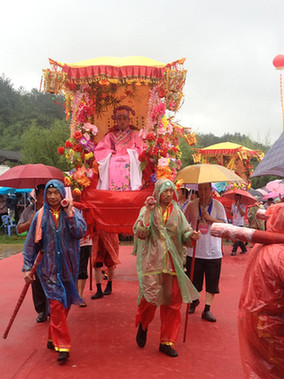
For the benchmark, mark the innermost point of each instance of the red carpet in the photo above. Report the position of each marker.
(103, 333)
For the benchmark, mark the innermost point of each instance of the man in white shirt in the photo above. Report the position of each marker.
(208, 257)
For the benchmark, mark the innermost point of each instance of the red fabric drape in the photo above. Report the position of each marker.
(112, 211)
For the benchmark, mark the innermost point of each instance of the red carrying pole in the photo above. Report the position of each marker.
(23, 294)
(245, 234)
(191, 279)
(91, 274)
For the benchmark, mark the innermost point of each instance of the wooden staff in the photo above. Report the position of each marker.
(23, 294)
(245, 234)
(191, 279)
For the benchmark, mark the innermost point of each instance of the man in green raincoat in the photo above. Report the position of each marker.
(161, 231)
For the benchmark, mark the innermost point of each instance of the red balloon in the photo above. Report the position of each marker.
(278, 62)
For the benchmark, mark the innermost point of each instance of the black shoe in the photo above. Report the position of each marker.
(50, 345)
(168, 350)
(193, 305)
(233, 253)
(97, 295)
(42, 317)
(208, 316)
(141, 336)
(63, 356)
(108, 289)
(243, 251)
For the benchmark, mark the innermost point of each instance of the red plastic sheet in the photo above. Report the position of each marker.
(113, 211)
(261, 307)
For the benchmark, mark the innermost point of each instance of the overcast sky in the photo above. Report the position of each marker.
(231, 86)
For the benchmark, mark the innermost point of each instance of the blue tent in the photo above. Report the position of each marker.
(10, 191)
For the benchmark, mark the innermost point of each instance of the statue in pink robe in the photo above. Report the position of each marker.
(117, 155)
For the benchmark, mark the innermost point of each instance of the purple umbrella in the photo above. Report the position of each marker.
(272, 195)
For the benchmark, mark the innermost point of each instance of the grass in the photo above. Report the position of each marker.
(14, 239)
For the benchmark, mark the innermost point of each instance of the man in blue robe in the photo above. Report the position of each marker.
(56, 230)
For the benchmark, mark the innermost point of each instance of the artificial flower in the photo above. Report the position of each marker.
(83, 141)
(150, 137)
(67, 181)
(77, 192)
(68, 144)
(77, 135)
(163, 162)
(61, 150)
(88, 156)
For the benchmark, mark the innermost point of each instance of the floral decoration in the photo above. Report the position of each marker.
(161, 158)
(79, 148)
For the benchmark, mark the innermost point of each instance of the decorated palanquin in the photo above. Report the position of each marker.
(231, 155)
(92, 90)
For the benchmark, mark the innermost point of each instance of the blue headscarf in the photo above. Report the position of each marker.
(54, 183)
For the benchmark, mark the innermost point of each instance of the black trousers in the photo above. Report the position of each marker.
(39, 298)
(241, 244)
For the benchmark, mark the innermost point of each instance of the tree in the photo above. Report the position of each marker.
(40, 145)
(20, 109)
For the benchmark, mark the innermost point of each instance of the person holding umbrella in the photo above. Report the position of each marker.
(56, 230)
(208, 253)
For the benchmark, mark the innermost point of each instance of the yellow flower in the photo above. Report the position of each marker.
(88, 156)
(165, 121)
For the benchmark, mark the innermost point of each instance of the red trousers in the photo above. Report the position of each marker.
(58, 331)
(169, 314)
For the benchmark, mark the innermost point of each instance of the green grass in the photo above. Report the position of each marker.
(14, 239)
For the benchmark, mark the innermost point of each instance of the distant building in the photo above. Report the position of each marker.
(12, 156)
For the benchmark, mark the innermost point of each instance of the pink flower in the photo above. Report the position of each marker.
(86, 136)
(88, 127)
(163, 162)
(161, 108)
(83, 141)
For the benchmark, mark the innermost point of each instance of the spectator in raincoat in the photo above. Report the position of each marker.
(254, 223)
(261, 306)
(160, 232)
(57, 231)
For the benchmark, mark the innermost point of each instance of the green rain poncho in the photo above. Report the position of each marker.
(164, 243)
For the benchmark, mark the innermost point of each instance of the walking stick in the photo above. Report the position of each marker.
(23, 294)
(191, 279)
(91, 274)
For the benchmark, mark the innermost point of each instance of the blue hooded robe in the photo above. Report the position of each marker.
(58, 269)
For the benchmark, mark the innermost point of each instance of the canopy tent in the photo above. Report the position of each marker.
(92, 90)
(110, 81)
(231, 155)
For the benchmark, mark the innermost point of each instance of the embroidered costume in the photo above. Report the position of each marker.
(117, 155)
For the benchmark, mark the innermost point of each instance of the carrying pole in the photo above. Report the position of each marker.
(23, 294)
